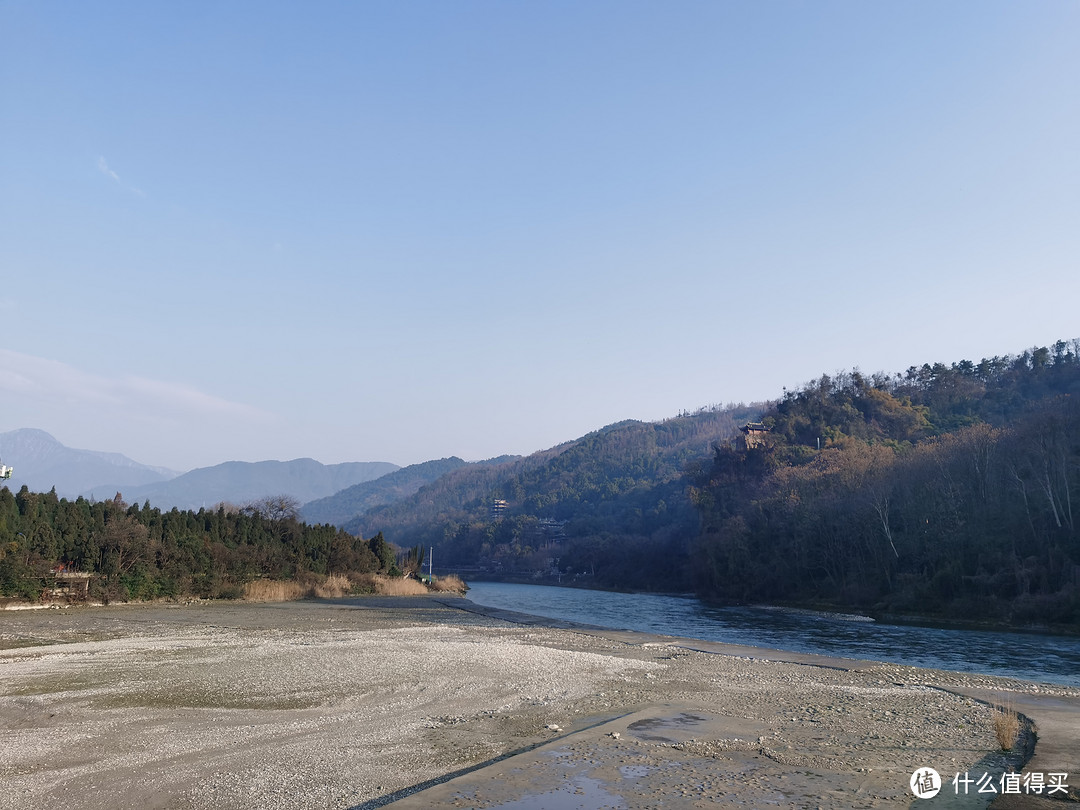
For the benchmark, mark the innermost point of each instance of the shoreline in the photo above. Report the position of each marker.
(901, 619)
(349, 703)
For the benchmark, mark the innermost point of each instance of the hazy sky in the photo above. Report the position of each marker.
(404, 230)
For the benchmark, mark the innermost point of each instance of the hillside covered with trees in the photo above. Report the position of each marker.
(348, 504)
(608, 509)
(944, 491)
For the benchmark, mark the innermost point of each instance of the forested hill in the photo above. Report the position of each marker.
(945, 490)
(611, 504)
(350, 503)
(950, 490)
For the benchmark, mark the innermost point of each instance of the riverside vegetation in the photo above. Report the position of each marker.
(945, 491)
(262, 552)
(942, 491)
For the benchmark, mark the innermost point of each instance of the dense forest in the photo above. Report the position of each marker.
(945, 490)
(135, 552)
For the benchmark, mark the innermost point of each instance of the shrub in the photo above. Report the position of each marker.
(398, 586)
(334, 586)
(364, 583)
(449, 583)
(1006, 726)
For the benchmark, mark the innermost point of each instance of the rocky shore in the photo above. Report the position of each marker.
(354, 703)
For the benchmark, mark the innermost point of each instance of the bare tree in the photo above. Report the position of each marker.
(275, 507)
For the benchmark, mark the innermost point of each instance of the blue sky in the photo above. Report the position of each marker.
(405, 230)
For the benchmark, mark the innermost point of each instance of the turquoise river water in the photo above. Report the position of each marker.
(1030, 656)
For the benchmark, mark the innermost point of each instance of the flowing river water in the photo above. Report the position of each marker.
(1030, 656)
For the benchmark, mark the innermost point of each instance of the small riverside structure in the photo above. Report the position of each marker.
(74, 585)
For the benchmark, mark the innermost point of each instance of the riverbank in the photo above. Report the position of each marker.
(934, 619)
(351, 703)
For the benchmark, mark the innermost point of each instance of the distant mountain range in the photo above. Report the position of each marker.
(241, 482)
(42, 463)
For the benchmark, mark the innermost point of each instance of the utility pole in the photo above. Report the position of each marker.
(430, 562)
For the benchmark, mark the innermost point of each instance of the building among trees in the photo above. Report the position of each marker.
(754, 434)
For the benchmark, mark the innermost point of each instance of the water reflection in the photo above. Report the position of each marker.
(1031, 656)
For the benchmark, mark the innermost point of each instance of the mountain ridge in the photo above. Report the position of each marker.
(351, 503)
(42, 463)
(561, 509)
(241, 482)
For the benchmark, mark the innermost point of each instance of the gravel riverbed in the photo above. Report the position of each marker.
(350, 703)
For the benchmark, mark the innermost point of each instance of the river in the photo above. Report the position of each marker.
(1030, 656)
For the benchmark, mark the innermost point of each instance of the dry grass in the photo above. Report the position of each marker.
(1006, 726)
(267, 590)
(451, 582)
(335, 585)
(387, 586)
(399, 586)
(364, 583)
(273, 590)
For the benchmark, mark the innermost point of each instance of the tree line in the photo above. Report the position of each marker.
(945, 490)
(141, 552)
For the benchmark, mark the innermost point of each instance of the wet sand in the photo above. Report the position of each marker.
(417, 702)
